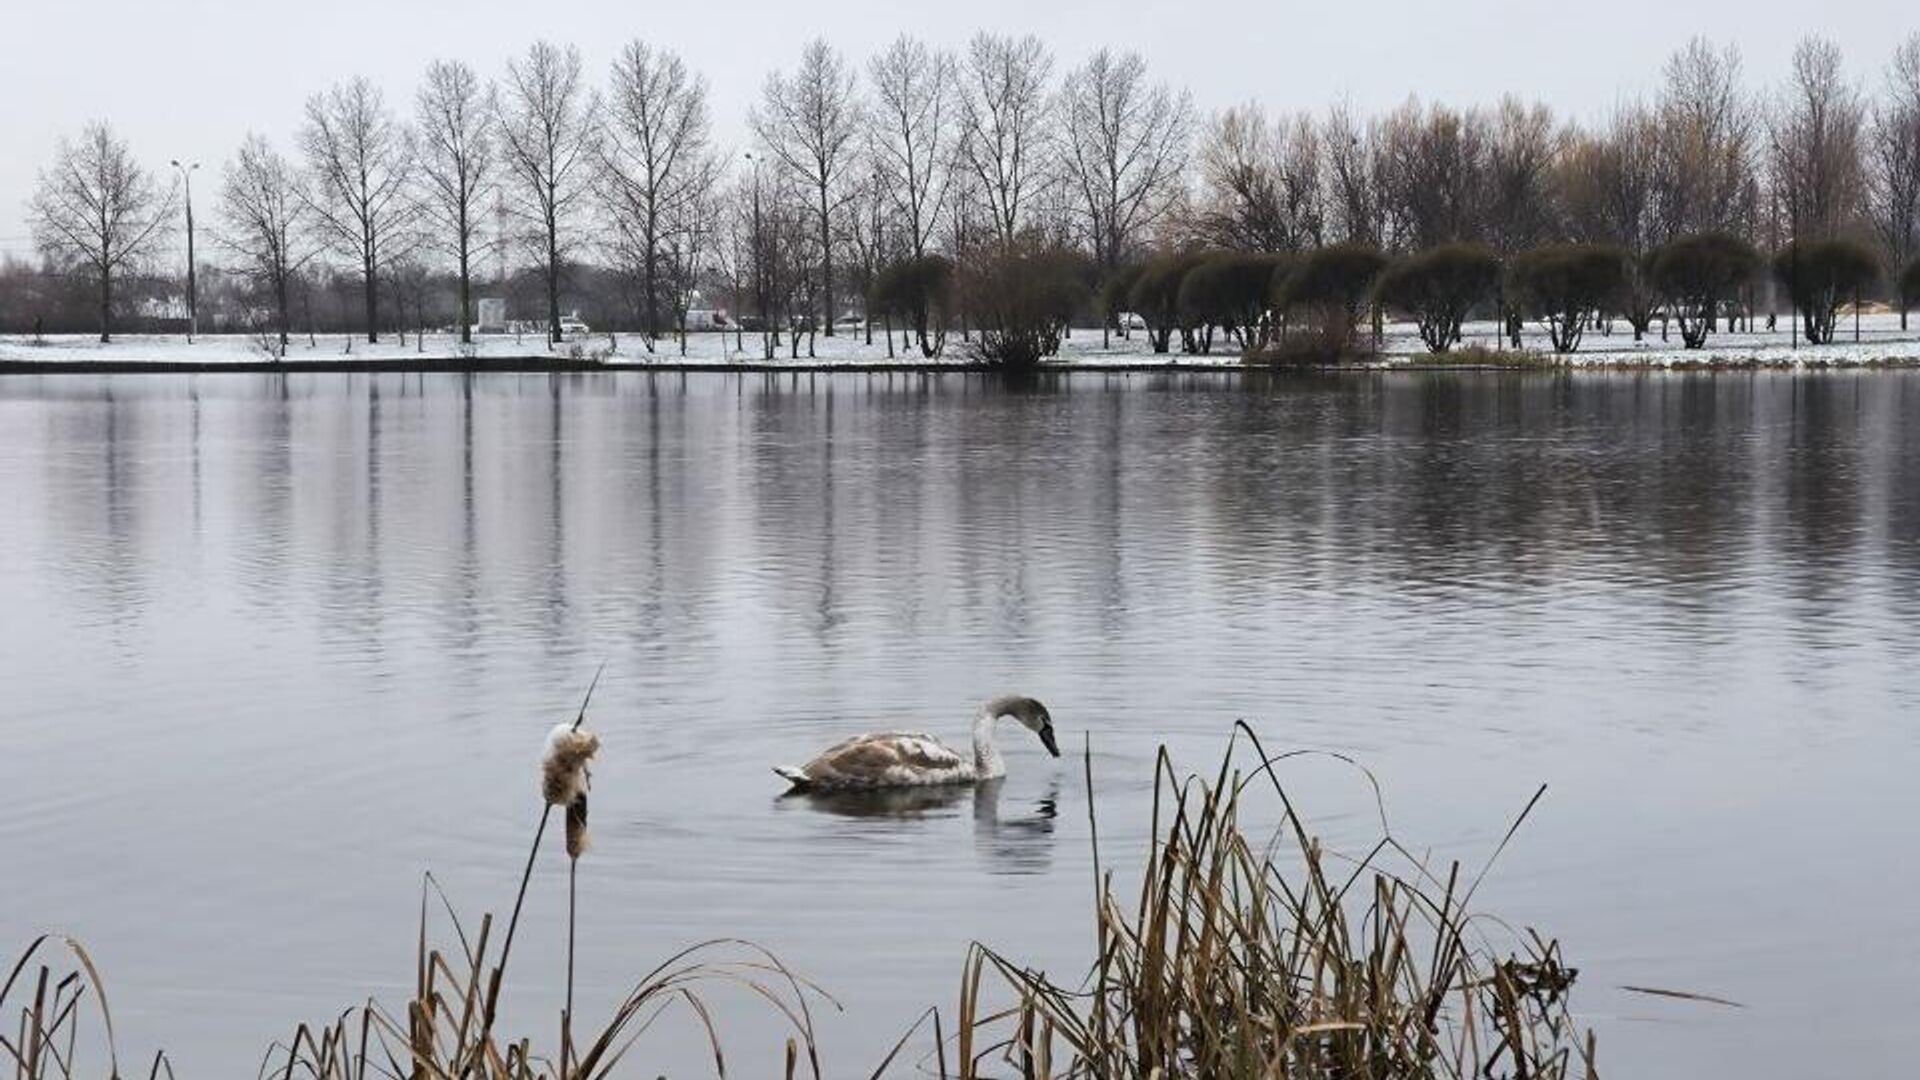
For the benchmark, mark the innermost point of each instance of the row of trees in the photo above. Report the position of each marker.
(897, 185)
(1695, 281)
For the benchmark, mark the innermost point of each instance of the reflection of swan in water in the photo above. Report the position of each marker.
(1022, 843)
(1017, 843)
(904, 802)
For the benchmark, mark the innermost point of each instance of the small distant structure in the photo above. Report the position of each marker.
(491, 315)
(706, 319)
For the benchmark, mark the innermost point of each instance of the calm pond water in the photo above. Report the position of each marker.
(273, 646)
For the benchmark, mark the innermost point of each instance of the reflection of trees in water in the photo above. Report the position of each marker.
(1822, 484)
(876, 504)
(1533, 480)
(102, 547)
(1899, 434)
(791, 428)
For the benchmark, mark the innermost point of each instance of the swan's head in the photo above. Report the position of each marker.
(1033, 716)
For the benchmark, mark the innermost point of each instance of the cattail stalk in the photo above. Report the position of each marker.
(564, 779)
(498, 976)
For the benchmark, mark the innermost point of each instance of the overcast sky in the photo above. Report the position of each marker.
(188, 78)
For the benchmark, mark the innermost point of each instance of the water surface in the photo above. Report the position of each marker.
(274, 646)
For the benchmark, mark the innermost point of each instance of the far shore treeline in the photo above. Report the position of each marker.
(985, 196)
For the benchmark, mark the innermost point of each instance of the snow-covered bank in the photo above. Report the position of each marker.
(1881, 341)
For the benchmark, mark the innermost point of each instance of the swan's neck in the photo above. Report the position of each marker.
(987, 764)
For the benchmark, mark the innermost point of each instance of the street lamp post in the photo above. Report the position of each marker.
(759, 260)
(193, 299)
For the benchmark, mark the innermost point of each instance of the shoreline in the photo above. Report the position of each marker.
(534, 364)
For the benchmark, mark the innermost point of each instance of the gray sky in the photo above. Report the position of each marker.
(189, 78)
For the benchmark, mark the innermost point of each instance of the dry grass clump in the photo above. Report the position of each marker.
(446, 1031)
(441, 1032)
(1479, 356)
(46, 1042)
(1234, 961)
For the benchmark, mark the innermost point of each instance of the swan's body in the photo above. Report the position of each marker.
(897, 759)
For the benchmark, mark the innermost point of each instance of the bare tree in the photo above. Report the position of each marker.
(455, 130)
(659, 166)
(691, 241)
(360, 160)
(549, 128)
(1437, 171)
(809, 122)
(873, 236)
(1607, 185)
(1005, 123)
(1816, 138)
(1125, 145)
(264, 215)
(914, 103)
(1708, 130)
(1521, 154)
(97, 210)
(1262, 184)
(1893, 161)
(1356, 174)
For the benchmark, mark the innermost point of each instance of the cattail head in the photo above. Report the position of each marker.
(577, 827)
(564, 776)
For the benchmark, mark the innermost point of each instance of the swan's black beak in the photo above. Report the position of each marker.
(1046, 740)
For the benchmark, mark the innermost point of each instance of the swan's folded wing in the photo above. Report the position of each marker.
(885, 759)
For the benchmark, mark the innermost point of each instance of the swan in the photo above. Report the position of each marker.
(898, 759)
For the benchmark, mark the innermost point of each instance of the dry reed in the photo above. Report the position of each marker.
(1228, 963)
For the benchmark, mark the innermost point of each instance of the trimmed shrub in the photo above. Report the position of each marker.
(1438, 287)
(1330, 286)
(1230, 290)
(1820, 275)
(1696, 274)
(1024, 295)
(920, 291)
(1116, 293)
(1156, 299)
(1566, 286)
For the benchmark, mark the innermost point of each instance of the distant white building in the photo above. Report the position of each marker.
(170, 308)
(491, 314)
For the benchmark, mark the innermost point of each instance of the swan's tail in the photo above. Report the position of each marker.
(797, 777)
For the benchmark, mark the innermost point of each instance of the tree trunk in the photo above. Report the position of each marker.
(372, 283)
(106, 306)
(466, 290)
(826, 260)
(553, 283)
(650, 268)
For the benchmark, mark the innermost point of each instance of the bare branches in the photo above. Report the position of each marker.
(912, 132)
(659, 167)
(1815, 142)
(1006, 126)
(96, 209)
(549, 139)
(455, 129)
(1893, 159)
(1125, 143)
(1709, 126)
(359, 161)
(1264, 183)
(809, 122)
(264, 212)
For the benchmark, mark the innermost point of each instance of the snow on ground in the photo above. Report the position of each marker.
(1881, 340)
